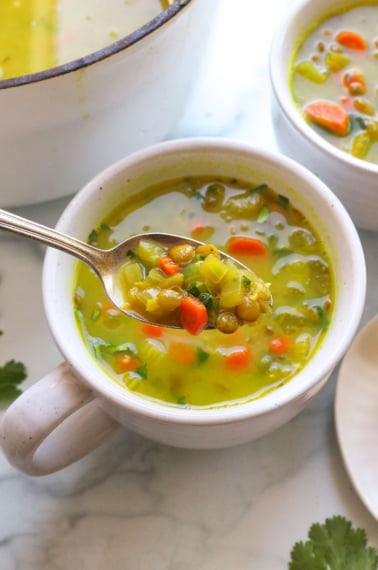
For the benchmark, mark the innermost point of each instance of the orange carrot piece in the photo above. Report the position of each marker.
(239, 359)
(202, 232)
(126, 363)
(152, 330)
(328, 115)
(168, 265)
(351, 40)
(246, 246)
(280, 345)
(355, 82)
(193, 315)
(182, 353)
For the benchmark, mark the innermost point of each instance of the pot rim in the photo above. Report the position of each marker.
(115, 47)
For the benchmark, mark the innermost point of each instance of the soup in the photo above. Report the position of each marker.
(334, 79)
(35, 36)
(212, 368)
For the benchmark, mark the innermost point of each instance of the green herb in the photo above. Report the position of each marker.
(357, 123)
(92, 238)
(282, 252)
(334, 545)
(105, 227)
(259, 189)
(98, 344)
(11, 375)
(209, 300)
(323, 316)
(95, 315)
(195, 193)
(131, 254)
(283, 201)
(142, 371)
(202, 356)
(263, 215)
(198, 257)
(246, 282)
(194, 290)
(181, 400)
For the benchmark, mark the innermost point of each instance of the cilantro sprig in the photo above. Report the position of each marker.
(12, 373)
(334, 545)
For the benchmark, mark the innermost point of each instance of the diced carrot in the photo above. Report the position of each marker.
(280, 345)
(126, 363)
(168, 265)
(182, 353)
(244, 245)
(351, 40)
(193, 315)
(239, 359)
(355, 82)
(202, 232)
(347, 102)
(152, 330)
(198, 228)
(328, 115)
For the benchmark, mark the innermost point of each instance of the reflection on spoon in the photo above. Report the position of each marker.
(125, 271)
(356, 414)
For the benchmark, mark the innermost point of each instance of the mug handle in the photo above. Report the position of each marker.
(54, 423)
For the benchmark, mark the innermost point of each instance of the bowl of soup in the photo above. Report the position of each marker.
(83, 84)
(189, 388)
(268, 212)
(325, 113)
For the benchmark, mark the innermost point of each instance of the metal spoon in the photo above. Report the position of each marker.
(105, 263)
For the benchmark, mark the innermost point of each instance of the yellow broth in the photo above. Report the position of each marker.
(35, 36)
(213, 369)
(327, 67)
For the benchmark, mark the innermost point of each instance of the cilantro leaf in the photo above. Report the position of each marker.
(11, 375)
(201, 356)
(334, 545)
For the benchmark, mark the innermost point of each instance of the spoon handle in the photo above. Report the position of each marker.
(48, 236)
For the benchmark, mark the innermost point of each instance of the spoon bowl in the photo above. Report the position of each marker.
(106, 263)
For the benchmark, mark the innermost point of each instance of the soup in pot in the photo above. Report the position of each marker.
(35, 36)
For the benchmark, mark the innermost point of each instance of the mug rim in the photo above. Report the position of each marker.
(240, 411)
(290, 31)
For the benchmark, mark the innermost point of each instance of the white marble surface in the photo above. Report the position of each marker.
(137, 505)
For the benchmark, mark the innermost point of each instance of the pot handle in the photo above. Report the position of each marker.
(54, 423)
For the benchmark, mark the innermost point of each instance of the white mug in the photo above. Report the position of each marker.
(77, 406)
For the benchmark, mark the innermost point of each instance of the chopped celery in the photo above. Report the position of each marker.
(131, 273)
(361, 144)
(155, 277)
(191, 273)
(176, 280)
(336, 61)
(232, 290)
(212, 270)
(149, 252)
(308, 70)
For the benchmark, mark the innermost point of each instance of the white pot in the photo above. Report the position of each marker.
(61, 126)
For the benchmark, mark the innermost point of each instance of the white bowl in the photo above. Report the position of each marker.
(221, 427)
(353, 180)
(59, 127)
